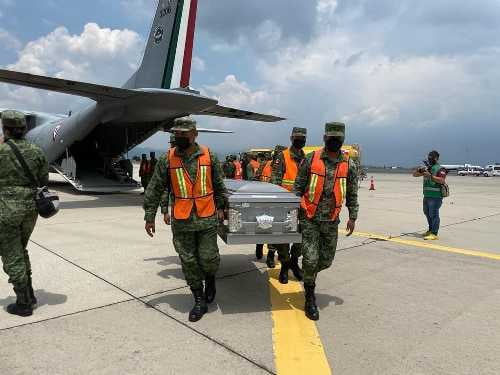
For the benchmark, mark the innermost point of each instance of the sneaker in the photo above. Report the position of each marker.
(431, 237)
(426, 233)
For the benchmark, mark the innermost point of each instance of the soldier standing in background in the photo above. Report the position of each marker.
(143, 172)
(228, 167)
(252, 168)
(326, 179)
(285, 169)
(18, 213)
(232, 168)
(238, 169)
(193, 175)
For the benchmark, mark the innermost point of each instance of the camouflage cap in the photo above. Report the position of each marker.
(13, 119)
(299, 132)
(184, 124)
(335, 129)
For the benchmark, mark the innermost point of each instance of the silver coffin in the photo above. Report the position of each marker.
(259, 213)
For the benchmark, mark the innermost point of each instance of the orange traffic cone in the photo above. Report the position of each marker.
(372, 184)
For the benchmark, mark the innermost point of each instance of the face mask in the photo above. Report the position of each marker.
(182, 142)
(333, 144)
(299, 143)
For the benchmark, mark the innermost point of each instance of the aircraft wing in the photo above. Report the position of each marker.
(221, 111)
(199, 105)
(216, 131)
(64, 86)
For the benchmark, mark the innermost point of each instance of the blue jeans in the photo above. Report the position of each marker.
(431, 211)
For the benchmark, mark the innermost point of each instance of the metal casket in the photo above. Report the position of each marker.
(259, 213)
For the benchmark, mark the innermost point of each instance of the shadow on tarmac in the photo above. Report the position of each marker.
(96, 200)
(239, 293)
(43, 297)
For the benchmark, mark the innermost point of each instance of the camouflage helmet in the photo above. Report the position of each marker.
(184, 124)
(299, 132)
(335, 129)
(13, 119)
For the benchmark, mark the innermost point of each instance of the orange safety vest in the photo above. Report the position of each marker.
(187, 193)
(238, 174)
(267, 172)
(291, 171)
(314, 191)
(255, 166)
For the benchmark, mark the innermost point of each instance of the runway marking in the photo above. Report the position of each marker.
(296, 341)
(428, 245)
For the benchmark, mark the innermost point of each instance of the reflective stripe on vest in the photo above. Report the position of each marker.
(291, 171)
(314, 191)
(238, 174)
(188, 194)
(267, 172)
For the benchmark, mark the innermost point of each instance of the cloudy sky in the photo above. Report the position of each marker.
(406, 76)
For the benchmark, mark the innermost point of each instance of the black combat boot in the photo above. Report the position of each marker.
(31, 293)
(310, 308)
(283, 278)
(270, 259)
(259, 251)
(22, 307)
(200, 306)
(296, 270)
(210, 290)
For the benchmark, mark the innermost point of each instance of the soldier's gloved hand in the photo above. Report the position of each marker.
(150, 229)
(351, 225)
(167, 219)
(220, 215)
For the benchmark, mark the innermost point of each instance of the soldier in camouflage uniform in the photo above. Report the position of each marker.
(289, 255)
(319, 218)
(195, 238)
(18, 213)
(228, 167)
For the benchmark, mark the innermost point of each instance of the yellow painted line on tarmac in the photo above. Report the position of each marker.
(296, 341)
(429, 245)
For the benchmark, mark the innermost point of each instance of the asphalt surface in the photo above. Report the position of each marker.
(111, 300)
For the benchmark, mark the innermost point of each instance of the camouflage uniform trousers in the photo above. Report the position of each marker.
(199, 254)
(284, 251)
(14, 238)
(319, 243)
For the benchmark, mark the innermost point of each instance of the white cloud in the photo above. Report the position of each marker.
(7, 40)
(99, 55)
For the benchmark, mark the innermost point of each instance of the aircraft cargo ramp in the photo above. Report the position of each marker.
(113, 301)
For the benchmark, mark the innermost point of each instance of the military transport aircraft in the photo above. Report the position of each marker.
(84, 147)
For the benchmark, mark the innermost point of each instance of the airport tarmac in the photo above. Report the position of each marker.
(113, 301)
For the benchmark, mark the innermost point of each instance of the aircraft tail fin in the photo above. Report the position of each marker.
(167, 59)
